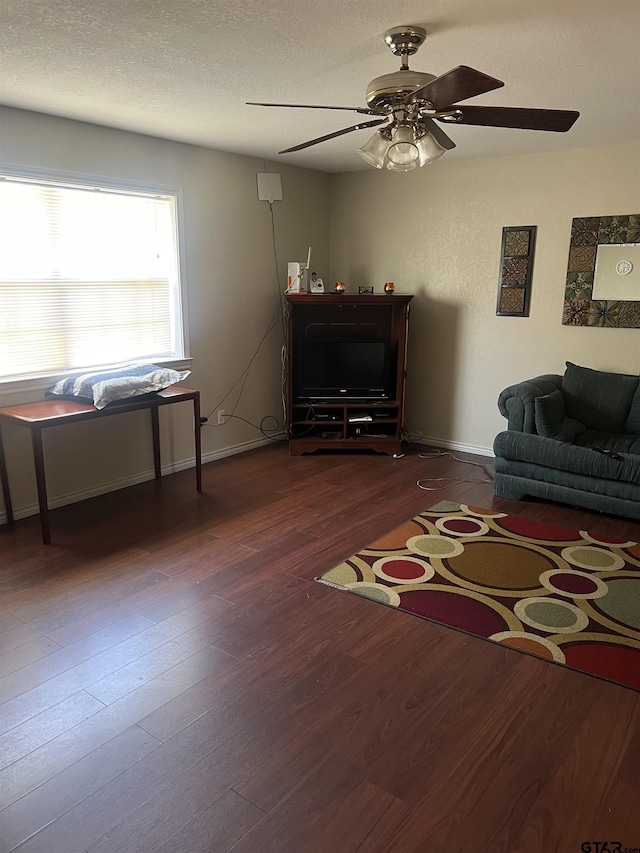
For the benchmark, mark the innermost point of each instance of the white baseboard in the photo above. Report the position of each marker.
(454, 445)
(123, 483)
(143, 476)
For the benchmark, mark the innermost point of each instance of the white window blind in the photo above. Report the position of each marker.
(88, 276)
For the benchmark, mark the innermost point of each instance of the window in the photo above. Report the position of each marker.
(89, 276)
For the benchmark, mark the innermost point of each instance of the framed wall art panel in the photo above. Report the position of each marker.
(516, 270)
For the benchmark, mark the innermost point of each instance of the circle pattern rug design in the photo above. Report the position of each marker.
(565, 595)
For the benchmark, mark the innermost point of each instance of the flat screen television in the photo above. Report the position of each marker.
(341, 368)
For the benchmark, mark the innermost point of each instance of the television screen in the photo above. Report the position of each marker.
(343, 369)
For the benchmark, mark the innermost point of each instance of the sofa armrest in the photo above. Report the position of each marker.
(517, 403)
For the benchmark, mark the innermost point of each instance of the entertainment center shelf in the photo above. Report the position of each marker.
(346, 339)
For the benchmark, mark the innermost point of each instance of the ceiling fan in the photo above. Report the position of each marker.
(408, 104)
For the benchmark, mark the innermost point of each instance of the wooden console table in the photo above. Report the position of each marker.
(39, 416)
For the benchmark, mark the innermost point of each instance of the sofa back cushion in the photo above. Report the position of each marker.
(598, 399)
(633, 421)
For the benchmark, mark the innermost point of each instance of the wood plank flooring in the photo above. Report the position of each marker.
(174, 681)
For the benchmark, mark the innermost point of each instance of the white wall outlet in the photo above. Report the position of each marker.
(222, 417)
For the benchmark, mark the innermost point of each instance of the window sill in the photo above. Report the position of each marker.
(35, 385)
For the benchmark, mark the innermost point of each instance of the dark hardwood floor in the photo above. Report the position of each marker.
(174, 681)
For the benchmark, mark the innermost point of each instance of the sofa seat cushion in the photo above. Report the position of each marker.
(571, 458)
(622, 443)
(600, 400)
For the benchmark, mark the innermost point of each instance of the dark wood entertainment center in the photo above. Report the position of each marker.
(343, 424)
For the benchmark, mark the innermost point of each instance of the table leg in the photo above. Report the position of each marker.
(198, 440)
(38, 461)
(4, 479)
(155, 429)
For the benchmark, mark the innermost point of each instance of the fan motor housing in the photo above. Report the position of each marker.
(389, 89)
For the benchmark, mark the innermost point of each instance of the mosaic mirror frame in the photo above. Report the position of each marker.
(587, 233)
(516, 271)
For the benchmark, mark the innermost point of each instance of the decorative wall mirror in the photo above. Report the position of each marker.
(603, 272)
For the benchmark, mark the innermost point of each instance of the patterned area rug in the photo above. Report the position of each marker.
(565, 595)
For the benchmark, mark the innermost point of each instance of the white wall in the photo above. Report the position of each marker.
(437, 233)
(434, 232)
(232, 291)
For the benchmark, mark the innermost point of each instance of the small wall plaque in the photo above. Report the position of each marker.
(516, 270)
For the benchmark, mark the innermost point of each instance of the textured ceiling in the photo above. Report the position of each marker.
(183, 69)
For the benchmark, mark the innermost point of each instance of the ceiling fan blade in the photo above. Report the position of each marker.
(456, 85)
(520, 117)
(438, 134)
(332, 135)
(364, 110)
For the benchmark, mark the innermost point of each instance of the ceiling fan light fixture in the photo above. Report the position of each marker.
(403, 149)
(401, 167)
(408, 101)
(429, 149)
(375, 150)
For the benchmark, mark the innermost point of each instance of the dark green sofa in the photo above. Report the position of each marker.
(574, 439)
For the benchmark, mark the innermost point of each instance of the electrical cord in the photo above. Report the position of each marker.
(245, 373)
(264, 430)
(283, 382)
(275, 258)
(310, 415)
(242, 378)
(451, 481)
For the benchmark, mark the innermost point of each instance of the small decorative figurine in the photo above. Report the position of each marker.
(389, 287)
(339, 286)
